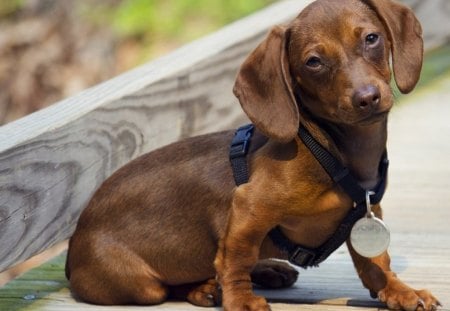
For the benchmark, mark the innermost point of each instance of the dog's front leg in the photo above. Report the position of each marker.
(377, 276)
(238, 253)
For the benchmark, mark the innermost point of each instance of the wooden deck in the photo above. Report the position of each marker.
(417, 209)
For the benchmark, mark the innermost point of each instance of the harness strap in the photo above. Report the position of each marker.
(238, 153)
(311, 257)
(298, 254)
(341, 175)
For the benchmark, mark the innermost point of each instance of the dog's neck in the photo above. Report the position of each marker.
(359, 147)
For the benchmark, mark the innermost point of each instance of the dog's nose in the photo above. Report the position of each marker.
(366, 97)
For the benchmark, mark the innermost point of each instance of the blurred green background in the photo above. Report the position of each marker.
(162, 24)
(152, 22)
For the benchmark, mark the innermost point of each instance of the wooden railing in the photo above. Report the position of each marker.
(52, 161)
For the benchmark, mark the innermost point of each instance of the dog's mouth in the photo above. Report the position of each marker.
(374, 117)
(367, 118)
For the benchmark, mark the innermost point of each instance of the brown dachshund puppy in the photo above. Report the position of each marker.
(173, 222)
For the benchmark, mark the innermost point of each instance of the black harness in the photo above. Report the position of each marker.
(299, 255)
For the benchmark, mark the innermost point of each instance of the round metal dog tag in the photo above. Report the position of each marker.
(370, 237)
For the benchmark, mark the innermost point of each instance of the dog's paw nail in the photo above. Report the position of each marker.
(421, 303)
(435, 306)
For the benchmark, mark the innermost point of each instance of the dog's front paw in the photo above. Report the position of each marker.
(274, 274)
(399, 296)
(246, 302)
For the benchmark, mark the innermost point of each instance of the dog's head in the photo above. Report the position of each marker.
(332, 61)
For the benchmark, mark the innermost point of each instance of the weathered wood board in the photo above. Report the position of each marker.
(332, 286)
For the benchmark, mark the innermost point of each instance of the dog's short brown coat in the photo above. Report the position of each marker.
(173, 221)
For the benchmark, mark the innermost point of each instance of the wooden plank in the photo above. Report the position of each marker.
(45, 288)
(332, 286)
(417, 203)
(52, 161)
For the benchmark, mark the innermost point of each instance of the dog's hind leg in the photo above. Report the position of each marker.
(270, 273)
(112, 274)
(118, 287)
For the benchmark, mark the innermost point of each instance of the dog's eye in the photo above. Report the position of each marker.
(314, 62)
(372, 38)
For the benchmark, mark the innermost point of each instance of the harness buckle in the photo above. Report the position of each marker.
(303, 257)
(241, 141)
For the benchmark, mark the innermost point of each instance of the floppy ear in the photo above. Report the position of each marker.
(263, 87)
(405, 34)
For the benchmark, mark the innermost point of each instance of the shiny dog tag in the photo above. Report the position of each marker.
(369, 236)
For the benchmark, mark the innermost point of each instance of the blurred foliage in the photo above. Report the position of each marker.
(9, 7)
(156, 26)
(166, 23)
(436, 64)
(170, 17)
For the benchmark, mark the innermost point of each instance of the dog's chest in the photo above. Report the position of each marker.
(317, 218)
